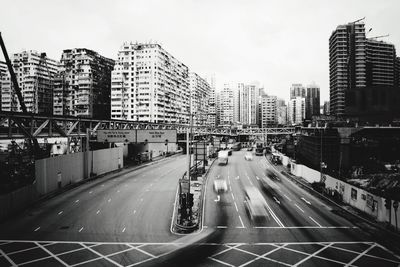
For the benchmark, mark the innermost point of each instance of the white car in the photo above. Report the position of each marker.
(220, 186)
(248, 156)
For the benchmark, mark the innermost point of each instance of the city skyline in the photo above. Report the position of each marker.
(261, 39)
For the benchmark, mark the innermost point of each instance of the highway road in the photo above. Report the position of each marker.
(124, 220)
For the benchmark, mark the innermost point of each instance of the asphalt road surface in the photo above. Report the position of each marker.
(125, 220)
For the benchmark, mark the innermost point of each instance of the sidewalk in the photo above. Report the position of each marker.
(377, 230)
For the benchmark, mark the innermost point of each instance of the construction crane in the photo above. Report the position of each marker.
(380, 36)
(357, 20)
(13, 76)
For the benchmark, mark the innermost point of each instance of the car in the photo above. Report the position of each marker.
(248, 156)
(250, 148)
(229, 152)
(255, 204)
(220, 185)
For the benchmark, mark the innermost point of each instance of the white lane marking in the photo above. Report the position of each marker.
(134, 211)
(220, 226)
(287, 197)
(109, 200)
(60, 212)
(249, 179)
(80, 230)
(305, 227)
(123, 230)
(37, 229)
(274, 216)
(277, 201)
(299, 207)
(312, 255)
(2, 253)
(205, 226)
(236, 207)
(257, 178)
(241, 222)
(76, 201)
(51, 254)
(90, 192)
(218, 198)
(312, 219)
(98, 211)
(233, 197)
(308, 202)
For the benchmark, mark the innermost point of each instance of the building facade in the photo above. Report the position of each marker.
(282, 112)
(226, 106)
(3, 72)
(269, 111)
(149, 84)
(200, 92)
(83, 84)
(296, 110)
(35, 74)
(326, 109)
(357, 62)
(248, 98)
(212, 103)
(297, 90)
(312, 101)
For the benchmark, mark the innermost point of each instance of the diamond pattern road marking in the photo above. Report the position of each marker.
(66, 253)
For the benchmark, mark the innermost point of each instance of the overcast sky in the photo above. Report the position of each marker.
(274, 42)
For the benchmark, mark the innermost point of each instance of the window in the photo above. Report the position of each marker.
(353, 194)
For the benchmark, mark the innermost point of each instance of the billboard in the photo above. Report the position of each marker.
(116, 136)
(156, 136)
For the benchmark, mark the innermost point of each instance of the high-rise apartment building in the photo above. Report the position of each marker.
(212, 103)
(226, 106)
(312, 101)
(269, 111)
(326, 109)
(3, 71)
(282, 112)
(83, 86)
(35, 75)
(296, 110)
(397, 72)
(149, 84)
(200, 92)
(355, 63)
(248, 104)
(297, 90)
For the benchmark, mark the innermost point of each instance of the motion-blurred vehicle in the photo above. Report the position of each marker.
(223, 157)
(229, 152)
(255, 204)
(272, 175)
(248, 156)
(220, 185)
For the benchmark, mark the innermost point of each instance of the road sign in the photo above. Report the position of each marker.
(116, 136)
(156, 136)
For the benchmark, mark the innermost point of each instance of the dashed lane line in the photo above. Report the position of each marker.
(299, 207)
(287, 197)
(236, 207)
(123, 230)
(241, 222)
(312, 219)
(98, 211)
(80, 230)
(61, 212)
(37, 229)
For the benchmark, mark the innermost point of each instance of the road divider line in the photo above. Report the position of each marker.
(60, 212)
(90, 192)
(76, 201)
(98, 211)
(109, 200)
(2, 253)
(312, 219)
(123, 230)
(134, 211)
(236, 207)
(276, 200)
(233, 197)
(257, 178)
(222, 227)
(37, 229)
(274, 216)
(299, 207)
(80, 230)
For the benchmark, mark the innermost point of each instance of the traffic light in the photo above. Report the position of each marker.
(387, 203)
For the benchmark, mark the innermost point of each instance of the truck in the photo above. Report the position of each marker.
(223, 157)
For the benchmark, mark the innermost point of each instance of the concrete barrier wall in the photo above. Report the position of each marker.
(56, 172)
(16, 201)
(352, 195)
